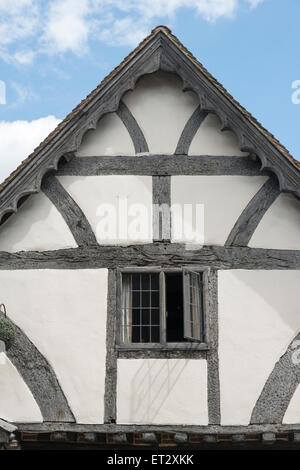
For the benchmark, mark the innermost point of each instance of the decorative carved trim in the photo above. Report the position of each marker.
(190, 441)
(279, 388)
(68, 139)
(156, 165)
(190, 130)
(71, 212)
(40, 378)
(156, 254)
(135, 132)
(159, 52)
(248, 221)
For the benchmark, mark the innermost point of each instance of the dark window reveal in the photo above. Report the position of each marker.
(162, 307)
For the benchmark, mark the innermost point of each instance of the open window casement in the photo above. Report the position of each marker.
(193, 305)
(161, 307)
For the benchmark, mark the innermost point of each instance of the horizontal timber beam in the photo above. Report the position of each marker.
(116, 428)
(154, 254)
(160, 165)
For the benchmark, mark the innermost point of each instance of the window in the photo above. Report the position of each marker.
(162, 307)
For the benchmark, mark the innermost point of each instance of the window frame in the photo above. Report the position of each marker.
(163, 345)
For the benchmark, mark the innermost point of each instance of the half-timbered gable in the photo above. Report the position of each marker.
(150, 263)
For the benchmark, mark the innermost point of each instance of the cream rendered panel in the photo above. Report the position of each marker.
(162, 391)
(292, 414)
(210, 140)
(111, 202)
(63, 312)
(223, 198)
(109, 138)
(17, 403)
(37, 226)
(256, 325)
(280, 226)
(161, 109)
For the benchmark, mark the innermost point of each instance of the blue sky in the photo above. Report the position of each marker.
(54, 52)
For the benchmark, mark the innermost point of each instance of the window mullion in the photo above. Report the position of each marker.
(163, 319)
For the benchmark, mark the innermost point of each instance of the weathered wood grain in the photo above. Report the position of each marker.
(157, 254)
(190, 130)
(161, 198)
(110, 395)
(159, 165)
(248, 221)
(135, 132)
(70, 211)
(40, 378)
(279, 388)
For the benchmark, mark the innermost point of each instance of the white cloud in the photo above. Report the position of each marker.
(211, 10)
(19, 138)
(59, 26)
(24, 57)
(124, 31)
(18, 20)
(254, 3)
(67, 27)
(22, 93)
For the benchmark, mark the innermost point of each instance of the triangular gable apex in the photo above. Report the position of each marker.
(161, 50)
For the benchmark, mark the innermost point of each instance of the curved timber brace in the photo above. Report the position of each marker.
(248, 221)
(69, 209)
(279, 388)
(40, 379)
(160, 51)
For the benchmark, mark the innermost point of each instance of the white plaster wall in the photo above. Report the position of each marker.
(210, 140)
(280, 226)
(17, 404)
(36, 226)
(292, 414)
(257, 324)
(161, 109)
(113, 202)
(109, 138)
(162, 391)
(63, 312)
(223, 199)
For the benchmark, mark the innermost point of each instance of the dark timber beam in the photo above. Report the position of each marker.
(110, 395)
(159, 52)
(248, 221)
(190, 130)
(71, 212)
(115, 428)
(157, 254)
(212, 99)
(40, 378)
(161, 165)
(213, 379)
(279, 388)
(135, 132)
(161, 198)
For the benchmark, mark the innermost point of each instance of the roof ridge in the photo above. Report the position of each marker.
(160, 29)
